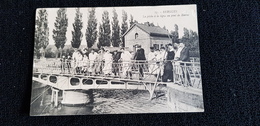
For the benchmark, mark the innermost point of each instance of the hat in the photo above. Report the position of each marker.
(151, 47)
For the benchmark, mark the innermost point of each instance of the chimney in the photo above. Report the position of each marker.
(147, 23)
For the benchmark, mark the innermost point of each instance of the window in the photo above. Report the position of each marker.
(136, 35)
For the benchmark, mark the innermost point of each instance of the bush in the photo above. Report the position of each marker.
(49, 53)
(68, 51)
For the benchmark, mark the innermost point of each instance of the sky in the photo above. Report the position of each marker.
(182, 15)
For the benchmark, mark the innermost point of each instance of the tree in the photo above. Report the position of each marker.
(77, 26)
(194, 40)
(59, 33)
(115, 30)
(175, 34)
(91, 31)
(131, 21)
(124, 26)
(41, 33)
(191, 39)
(185, 38)
(104, 31)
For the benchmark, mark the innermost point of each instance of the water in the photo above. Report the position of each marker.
(105, 102)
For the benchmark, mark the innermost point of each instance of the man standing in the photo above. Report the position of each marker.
(140, 60)
(63, 64)
(69, 63)
(185, 57)
(116, 65)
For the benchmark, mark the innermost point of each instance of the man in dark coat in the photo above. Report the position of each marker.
(116, 65)
(185, 57)
(140, 60)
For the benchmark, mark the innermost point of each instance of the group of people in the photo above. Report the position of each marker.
(161, 62)
(95, 63)
(121, 63)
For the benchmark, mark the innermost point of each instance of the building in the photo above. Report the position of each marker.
(147, 36)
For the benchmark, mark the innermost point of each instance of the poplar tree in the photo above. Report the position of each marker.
(91, 31)
(131, 21)
(124, 26)
(77, 26)
(59, 33)
(41, 32)
(115, 30)
(104, 31)
(175, 34)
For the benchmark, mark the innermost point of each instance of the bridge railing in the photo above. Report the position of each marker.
(182, 73)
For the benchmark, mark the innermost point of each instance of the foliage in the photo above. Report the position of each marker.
(115, 30)
(49, 53)
(41, 32)
(59, 33)
(77, 26)
(124, 26)
(191, 39)
(104, 31)
(175, 34)
(131, 21)
(68, 51)
(91, 31)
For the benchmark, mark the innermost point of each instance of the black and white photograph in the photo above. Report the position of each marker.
(116, 60)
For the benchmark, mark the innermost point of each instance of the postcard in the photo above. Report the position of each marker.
(116, 60)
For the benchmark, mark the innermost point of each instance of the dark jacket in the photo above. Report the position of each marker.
(139, 54)
(185, 55)
(116, 56)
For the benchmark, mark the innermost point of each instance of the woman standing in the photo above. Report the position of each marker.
(168, 67)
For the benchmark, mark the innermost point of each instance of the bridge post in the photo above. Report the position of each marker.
(54, 96)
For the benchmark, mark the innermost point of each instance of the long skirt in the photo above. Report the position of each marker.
(107, 67)
(168, 72)
(126, 68)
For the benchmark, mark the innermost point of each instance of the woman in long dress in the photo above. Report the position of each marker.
(168, 67)
(126, 60)
(85, 63)
(99, 62)
(77, 59)
(108, 60)
(92, 58)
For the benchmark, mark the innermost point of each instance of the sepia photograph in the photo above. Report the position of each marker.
(116, 60)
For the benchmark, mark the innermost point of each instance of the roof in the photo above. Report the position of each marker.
(151, 30)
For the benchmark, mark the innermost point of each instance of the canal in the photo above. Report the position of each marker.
(106, 101)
